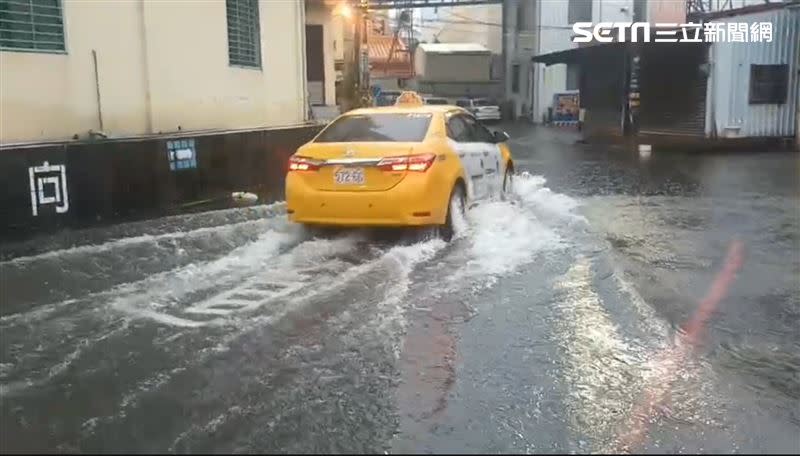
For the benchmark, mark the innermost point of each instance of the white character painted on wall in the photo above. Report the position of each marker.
(48, 184)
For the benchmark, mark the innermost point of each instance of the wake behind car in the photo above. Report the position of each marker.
(406, 165)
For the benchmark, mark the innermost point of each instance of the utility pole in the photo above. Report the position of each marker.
(364, 80)
(358, 77)
(357, 22)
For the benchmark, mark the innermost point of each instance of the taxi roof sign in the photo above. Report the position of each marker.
(409, 98)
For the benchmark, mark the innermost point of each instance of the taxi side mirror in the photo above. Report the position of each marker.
(500, 137)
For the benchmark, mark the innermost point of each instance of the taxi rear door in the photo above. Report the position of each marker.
(469, 151)
(490, 156)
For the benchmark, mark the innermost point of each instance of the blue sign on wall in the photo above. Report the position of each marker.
(181, 154)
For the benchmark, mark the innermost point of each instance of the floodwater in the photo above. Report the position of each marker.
(580, 316)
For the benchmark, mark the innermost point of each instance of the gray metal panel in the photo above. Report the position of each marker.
(673, 89)
(602, 90)
(732, 114)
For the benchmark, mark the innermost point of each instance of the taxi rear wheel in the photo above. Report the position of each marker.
(313, 231)
(455, 211)
(508, 182)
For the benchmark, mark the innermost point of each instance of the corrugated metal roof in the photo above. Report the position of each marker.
(381, 45)
(453, 48)
(380, 49)
(733, 115)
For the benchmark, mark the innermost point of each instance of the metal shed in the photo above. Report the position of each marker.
(732, 110)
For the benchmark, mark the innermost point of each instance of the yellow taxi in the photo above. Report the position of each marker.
(410, 164)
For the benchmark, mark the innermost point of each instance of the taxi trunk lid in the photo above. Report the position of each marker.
(353, 167)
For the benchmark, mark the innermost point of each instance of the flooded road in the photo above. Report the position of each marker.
(601, 309)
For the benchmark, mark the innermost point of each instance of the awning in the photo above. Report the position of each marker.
(575, 55)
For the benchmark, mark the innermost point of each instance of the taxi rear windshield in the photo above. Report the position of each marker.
(394, 127)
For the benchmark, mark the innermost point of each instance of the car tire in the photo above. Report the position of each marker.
(313, 231)
(508, 183)
(309, 231)
(455, 208)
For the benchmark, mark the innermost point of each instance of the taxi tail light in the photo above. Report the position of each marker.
(417, 163)
(303, 164)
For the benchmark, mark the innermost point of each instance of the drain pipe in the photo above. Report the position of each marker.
(504, 31)
(97, 90)
(301, 30)
(148, 97)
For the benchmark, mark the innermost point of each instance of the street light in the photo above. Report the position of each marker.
(345, 10)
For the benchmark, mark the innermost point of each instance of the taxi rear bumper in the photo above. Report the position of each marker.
(415, 201)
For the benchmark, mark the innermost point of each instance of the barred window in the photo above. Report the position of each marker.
(244, 44)
(31, 25)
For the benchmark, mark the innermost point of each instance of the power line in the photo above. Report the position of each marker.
(445, 21)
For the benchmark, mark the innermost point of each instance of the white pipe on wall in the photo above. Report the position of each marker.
(148, 102)
(301, 30)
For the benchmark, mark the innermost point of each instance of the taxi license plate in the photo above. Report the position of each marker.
(349, 176)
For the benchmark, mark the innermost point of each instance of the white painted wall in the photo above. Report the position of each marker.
(522, 42)
(666, 11)
(555, 35)
(162, 64)
(473, 27)
(452, 67)
(612, 10)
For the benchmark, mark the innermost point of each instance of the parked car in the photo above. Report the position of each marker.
(387, 97)
(481, 108)
(436, 101)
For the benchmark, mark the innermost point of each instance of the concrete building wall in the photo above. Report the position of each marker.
(463, 68)
(420, 61)
(555, 34)
(456, 67)
(53, 96)
(659, 11)
(613, 10)
(192, 83)
(522, 42)
(475, 24)
(161, 64)
(338, 24)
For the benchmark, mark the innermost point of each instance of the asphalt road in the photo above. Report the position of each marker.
(615, 304)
